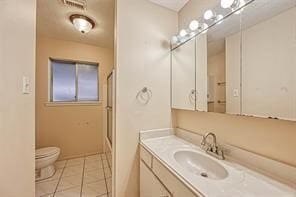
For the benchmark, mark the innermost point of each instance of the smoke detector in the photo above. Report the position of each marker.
(80, 4)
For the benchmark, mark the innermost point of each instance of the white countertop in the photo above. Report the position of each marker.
(239, 182)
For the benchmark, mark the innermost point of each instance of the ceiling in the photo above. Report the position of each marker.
(175, 5)
(53, 21)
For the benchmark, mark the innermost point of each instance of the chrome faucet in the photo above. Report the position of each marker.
(211, 148)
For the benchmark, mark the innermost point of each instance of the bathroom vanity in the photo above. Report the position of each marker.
(172, 166)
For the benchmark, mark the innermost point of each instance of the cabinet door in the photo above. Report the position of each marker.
(150, 186)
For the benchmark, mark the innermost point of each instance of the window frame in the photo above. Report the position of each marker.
(76, 62)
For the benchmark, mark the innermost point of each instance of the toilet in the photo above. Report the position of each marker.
(44, 162)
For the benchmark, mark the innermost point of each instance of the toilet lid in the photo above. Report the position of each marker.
(43, 152)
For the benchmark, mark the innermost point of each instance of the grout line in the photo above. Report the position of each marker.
(110, 172)
(104, 175)
(60, 178)
(82, 177)
(109, 165)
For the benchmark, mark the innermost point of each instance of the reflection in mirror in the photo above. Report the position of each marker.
(223, 66)
(183, 76)
(201, 72)
(269, 59)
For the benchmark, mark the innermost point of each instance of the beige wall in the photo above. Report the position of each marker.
(143, 59)
(272, 138)
(77, 130)
(216, 69)
(233, 78)
(17, 114)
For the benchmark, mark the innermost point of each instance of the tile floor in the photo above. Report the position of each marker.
(81, 177)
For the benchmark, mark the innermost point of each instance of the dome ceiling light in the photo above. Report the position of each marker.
(82, 23)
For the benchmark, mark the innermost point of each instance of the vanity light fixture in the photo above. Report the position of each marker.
(204, 28)
(230, 3)
(209, 14)
(233, 4)
(241, 4)
(82, 23)
(219, 19)
(194, 25)
(174, 40)
(183, 33)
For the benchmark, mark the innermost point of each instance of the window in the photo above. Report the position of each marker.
(74, 81)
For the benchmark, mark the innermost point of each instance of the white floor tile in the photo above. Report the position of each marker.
(69, 182)
(75, 162)
(73, 170)
(48, 195)
(107, 173)
(93, 176)
(103, 156)
(105, 164)
(73, 192)
(93, 157)
(46, 187)
(95, 165)
(94, 189)
(56, 176)
(109, 184)
(60, 164)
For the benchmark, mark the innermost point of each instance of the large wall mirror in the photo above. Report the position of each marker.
(244, 64)
(223, 66)
(269, 59)
(183, 76)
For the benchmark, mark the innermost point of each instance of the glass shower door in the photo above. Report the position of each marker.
(109, 106)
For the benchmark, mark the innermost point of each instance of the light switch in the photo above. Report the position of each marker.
(235, 93)
(26, 85)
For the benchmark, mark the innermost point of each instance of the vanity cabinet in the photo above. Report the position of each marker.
(150, 186)
(157, 181)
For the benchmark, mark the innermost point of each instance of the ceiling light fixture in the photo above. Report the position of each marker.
(82, 23)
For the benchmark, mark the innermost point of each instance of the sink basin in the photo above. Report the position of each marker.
(200, 165)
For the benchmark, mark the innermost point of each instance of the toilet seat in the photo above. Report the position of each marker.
(45, 152)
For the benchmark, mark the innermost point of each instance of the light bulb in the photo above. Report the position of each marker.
(219, 19)
(209, 14)
(183, 33)
(175, 39)
(194, 25)
(241, 4)
(82, 25)
(203, 28)
(227, 3)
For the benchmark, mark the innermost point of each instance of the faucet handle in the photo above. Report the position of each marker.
(220, 152)
(203, 141)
